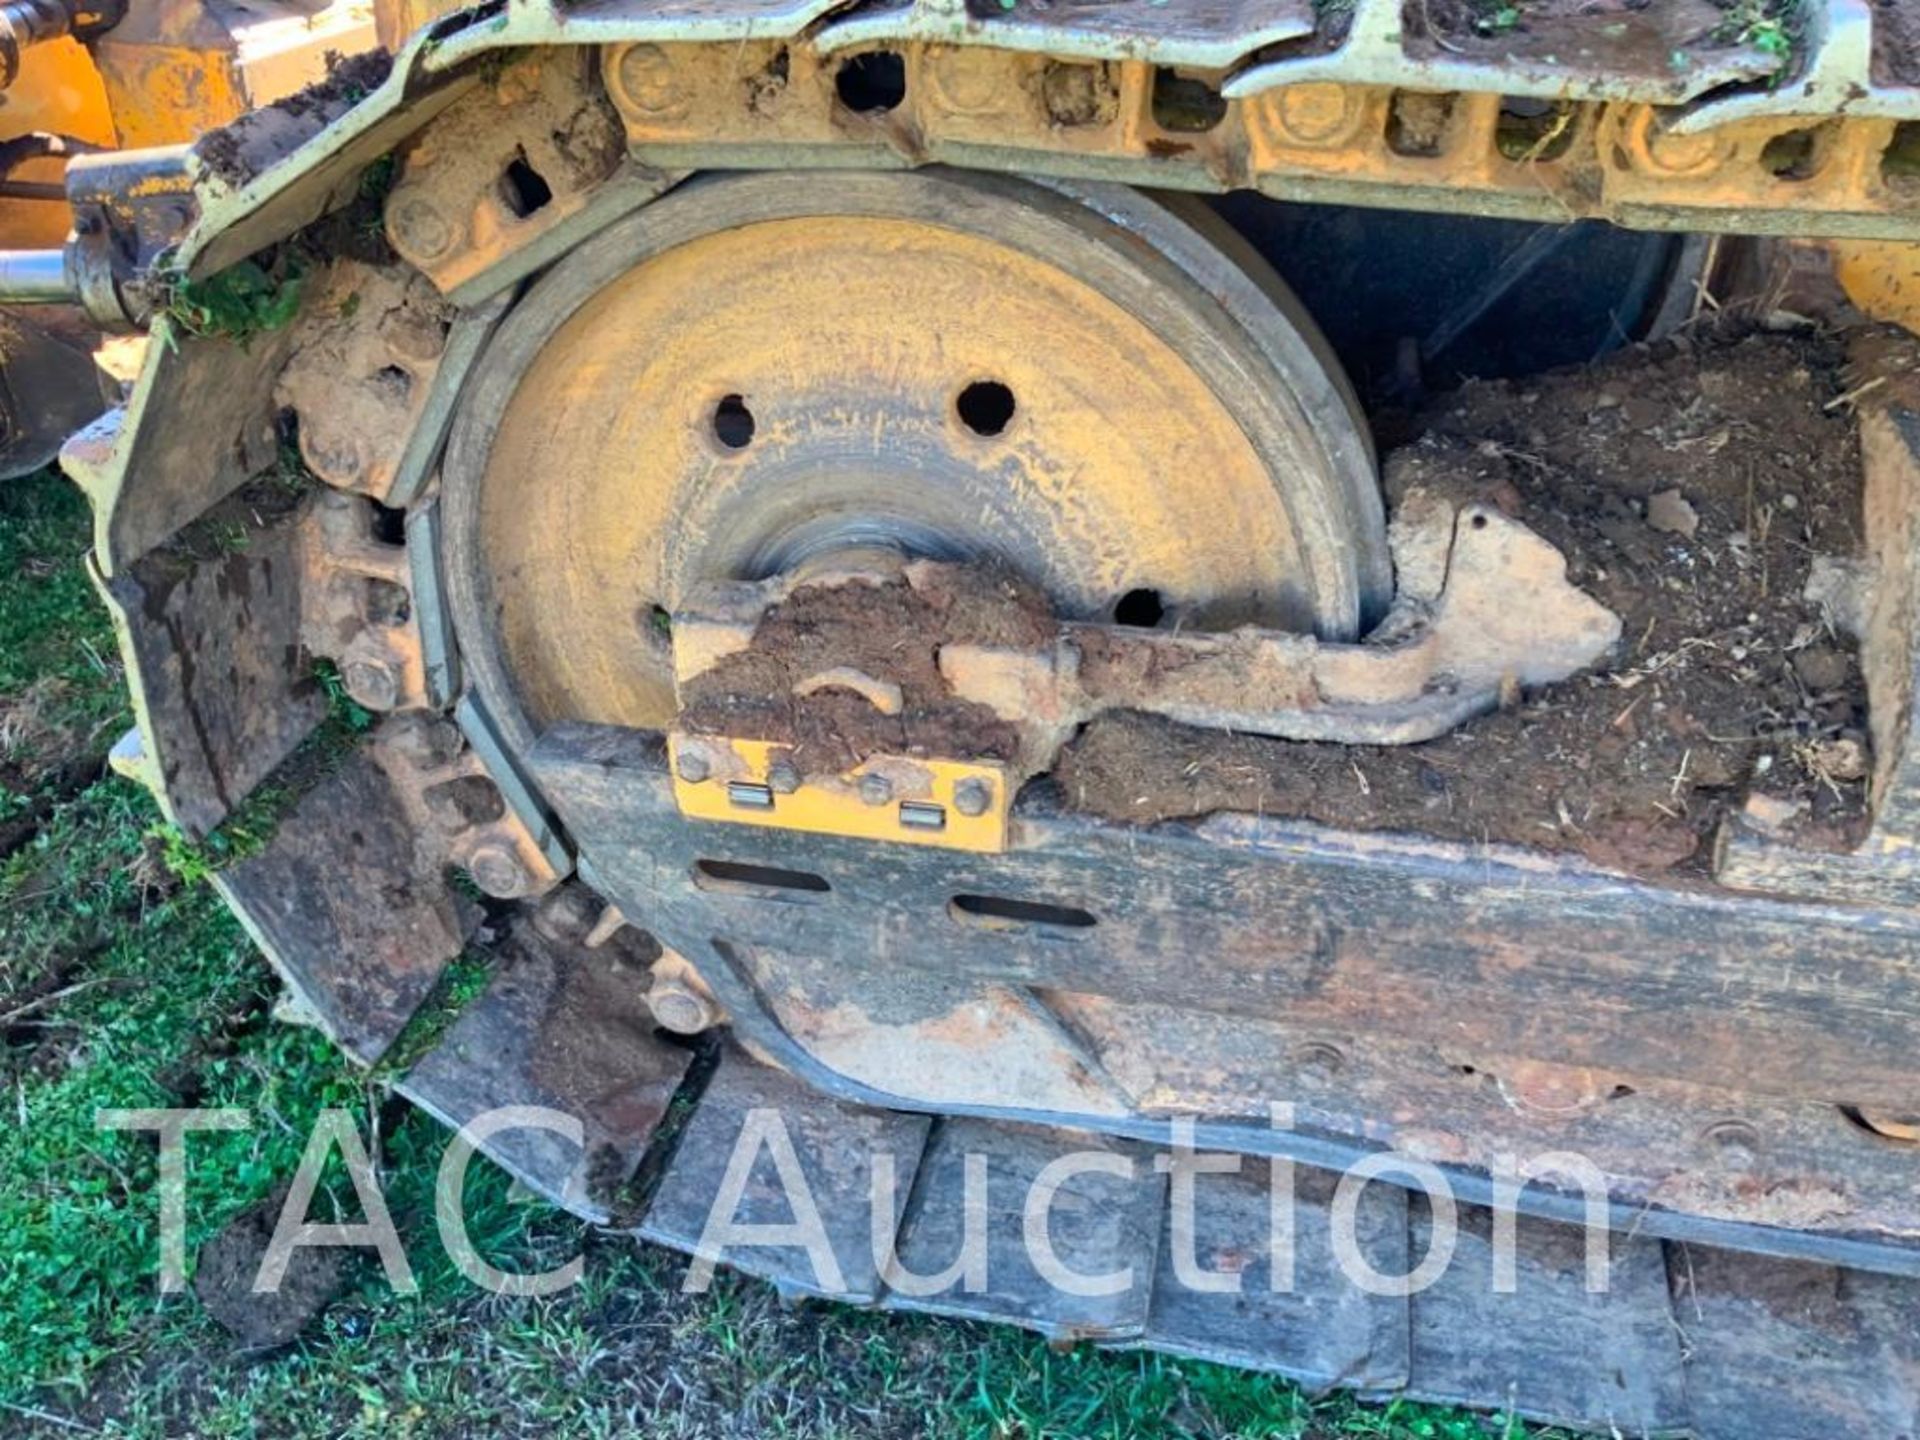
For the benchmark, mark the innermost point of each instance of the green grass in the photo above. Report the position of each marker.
(239, 302)
(1773, 27)
(129, 986)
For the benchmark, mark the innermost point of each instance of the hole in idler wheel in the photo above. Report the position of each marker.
(1184, 104)
(1792, 156)
(985, 407)
(733, 423)
(1900, 161)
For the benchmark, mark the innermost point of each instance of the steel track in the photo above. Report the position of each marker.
(1686, 1339)
(1689, 1338)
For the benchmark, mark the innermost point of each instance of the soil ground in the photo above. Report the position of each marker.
(1636, 35)
(1691, 487)
(1896, 42)
(124, 982)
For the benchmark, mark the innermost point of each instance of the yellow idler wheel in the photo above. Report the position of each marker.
(1105, 390)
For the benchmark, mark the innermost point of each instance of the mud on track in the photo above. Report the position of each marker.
(1692, 487)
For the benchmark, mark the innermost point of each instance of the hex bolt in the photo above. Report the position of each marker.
(647, 80)
(567, 915)
(418, 229)
(372, 683)
(691, 765)
(425, 741)
(498, 871)
(1737, 1142)
(679, 1007)
(1539, 1087)
(1318, 1063)
(972, 797)
(782, 777)
(875, 789)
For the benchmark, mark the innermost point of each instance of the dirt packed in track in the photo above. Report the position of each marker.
(886, 627)
(1896, 42)
(1691, 486)
(1646, 37)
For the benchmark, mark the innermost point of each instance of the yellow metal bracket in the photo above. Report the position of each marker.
(956, 804)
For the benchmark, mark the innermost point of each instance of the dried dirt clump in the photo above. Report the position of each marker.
(363, 354)
(1691, 487)
(1631, 35)
(230, 1263)
(890, 630)
(236, 153)
(1896, 42)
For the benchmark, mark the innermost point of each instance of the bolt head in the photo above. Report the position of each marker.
(1679, 154)
(1539, 1088)
(418, 229)
(972, 797)
(423, 740)
(1318, 1063)
(680, 1008)
(875, 789)
(691, 765)
(567, 914)
(648, 83)
(1317, 114)
(783, 777)
(1737, 1142)
(372, 683)
(498, 871)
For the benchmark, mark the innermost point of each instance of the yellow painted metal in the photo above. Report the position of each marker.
(767, 103)
(163, 94)
(836, 807)
(175, 69)
(848, 340)
(59, 91)
(167, 74)
(1882, 278)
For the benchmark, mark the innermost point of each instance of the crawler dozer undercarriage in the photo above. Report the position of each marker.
(879, 606)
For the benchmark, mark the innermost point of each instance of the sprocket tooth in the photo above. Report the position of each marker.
(835, 1146)
(1103, 1225)
(565, 1028)
(361, 968)
(1315, 1326)
(1788, 1349)
(1550, 1350)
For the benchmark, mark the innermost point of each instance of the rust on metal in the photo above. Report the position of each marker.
(358, 605)
(1501, 614)
(565, 1027)
(514, 159)
(365, 351)
(459, 810)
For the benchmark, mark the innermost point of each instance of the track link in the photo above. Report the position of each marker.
(1684, 1340)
